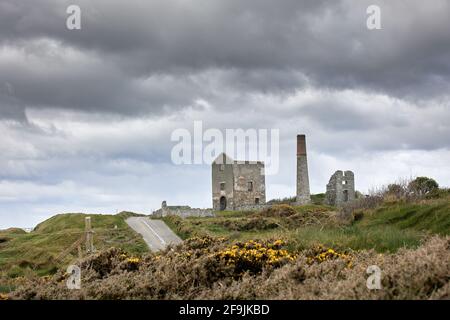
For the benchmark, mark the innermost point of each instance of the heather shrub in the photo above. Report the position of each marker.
(421, 273)
(256, 223)
(396, 190)
(278, 210)
(214, 268)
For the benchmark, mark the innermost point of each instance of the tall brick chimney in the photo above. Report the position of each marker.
(303, 195)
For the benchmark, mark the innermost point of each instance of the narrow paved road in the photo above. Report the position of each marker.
(156, 233)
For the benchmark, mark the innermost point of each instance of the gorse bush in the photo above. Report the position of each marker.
(256, 223)
(278, 210)
(319, 254)
(254, 256)
(214, 268)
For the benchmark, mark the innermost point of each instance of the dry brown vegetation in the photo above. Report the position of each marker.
(303, 252)
(215, 268)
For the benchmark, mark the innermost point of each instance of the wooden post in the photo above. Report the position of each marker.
(89, 236)
(80, 252)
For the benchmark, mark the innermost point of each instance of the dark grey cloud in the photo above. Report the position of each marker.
(264, 46)
(86, 116)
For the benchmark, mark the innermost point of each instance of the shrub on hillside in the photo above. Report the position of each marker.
(319, 254)
(207, 268)
(278, 210)
(256, 223)
(286, 200)
(403, 191)
(409, 274)
(254, 256)
(423, 186)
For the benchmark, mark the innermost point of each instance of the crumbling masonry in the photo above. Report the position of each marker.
(181, 211)
(240, 185)
(340, 188)
(237, 185)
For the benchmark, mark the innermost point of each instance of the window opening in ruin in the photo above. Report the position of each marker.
(250, 186)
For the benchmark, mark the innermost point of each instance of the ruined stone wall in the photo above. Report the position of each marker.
(245, 173)
(222, 172)
(340, 188)
(182, 211)
(252, 207)
(235, 176)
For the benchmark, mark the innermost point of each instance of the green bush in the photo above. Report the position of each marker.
(423, 186)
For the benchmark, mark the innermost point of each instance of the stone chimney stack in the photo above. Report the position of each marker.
(303, 195)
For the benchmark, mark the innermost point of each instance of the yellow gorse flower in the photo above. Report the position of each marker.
(133, 260)
(254, 256)
(322, 254)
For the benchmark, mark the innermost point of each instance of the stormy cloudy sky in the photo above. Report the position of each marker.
(86, 115)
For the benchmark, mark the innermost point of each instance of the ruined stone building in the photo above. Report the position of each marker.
(303, 194)
(237, 184)
(340, 188)
(181, 211)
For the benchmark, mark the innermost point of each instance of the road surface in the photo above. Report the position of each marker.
(156, 233)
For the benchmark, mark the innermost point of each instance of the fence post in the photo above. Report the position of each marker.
(89, 235)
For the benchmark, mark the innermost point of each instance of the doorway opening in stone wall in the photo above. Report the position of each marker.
(345, 195)
(223, 203)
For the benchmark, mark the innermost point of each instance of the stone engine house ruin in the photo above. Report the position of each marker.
(240, 185)
(340, 188)
(237, 185)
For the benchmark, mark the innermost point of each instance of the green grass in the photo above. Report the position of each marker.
(385, 229)
(433, 217)
(381, 239)
(22, 253)
(318, 198)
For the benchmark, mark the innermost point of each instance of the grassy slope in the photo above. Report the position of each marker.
(387, 228)
(22, 252)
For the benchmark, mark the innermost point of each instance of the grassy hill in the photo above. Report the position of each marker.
(386, 228)
(36, 252)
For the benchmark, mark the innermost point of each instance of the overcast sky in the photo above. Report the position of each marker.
(86, 115)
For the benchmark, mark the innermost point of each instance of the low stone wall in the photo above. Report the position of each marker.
(186, 211)
(183, 212)
(253, 207)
